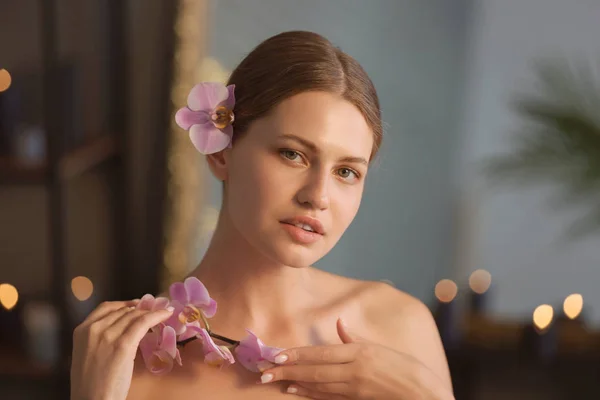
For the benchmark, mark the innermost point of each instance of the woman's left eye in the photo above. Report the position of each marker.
(347, 173)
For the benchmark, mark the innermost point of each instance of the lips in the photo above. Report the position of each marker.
(307, 223)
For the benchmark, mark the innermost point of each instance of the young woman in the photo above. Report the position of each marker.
(292, 142)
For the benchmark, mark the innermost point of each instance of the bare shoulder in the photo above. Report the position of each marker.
(404, 323)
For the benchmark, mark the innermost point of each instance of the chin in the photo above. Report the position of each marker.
(286, 252)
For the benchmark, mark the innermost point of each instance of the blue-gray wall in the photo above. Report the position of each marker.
(519, 238)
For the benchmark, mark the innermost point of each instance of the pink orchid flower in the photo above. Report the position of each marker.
(254, 355)
(150, 303)
(213, 354)
(159, 350)
(191, 301)
(208, 116)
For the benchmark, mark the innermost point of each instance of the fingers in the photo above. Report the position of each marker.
(327, 390)
(309, 373)
(334, 354)
(106, 308)
(133, 328)
(110, 319)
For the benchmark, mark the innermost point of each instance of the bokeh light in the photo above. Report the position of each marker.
(542, 316)
(5, 80)
(573, 305)
(480, 281)
(9, 295)
(446, 290)
(82, 288)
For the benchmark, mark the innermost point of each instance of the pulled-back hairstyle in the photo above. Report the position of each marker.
(294, 62)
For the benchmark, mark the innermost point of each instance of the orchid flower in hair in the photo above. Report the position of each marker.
(209, 116)
(193, 306)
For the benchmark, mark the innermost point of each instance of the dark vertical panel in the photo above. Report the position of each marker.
(56, 192)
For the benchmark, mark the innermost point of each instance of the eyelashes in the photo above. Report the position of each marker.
(345, 173)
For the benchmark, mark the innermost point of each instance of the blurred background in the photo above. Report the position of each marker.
(484, 201)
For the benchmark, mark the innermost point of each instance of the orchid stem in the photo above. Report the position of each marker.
(223, 338)
(213, 335)
(205, 321)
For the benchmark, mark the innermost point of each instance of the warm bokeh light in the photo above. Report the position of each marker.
(82, 288)
(573, 305)
(446, 290)
(9, 296)
(542, 316)
(5, 80)
(480, 281)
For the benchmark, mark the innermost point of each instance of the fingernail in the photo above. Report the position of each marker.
(170, 309)
(266, 378)
(292, 389)
(281, 358)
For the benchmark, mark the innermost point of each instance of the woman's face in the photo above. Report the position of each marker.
(300, 169)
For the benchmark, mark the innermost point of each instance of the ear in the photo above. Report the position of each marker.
(219, 164)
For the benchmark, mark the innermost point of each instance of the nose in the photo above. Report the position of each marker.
(315, 193)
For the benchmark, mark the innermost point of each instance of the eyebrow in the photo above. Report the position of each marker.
(310, 145)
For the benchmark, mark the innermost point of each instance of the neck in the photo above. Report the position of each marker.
(252, 291)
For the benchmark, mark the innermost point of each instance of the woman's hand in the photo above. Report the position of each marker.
(104, 349)
(357, 369)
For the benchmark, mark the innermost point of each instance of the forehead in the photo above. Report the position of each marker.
(327, 120)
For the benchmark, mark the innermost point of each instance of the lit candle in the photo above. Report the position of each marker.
(446, 312)
(83, 300)
(479, 282)
(540, 338)
(9, 314)
(573, 308)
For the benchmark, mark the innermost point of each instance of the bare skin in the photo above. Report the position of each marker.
(309, 157)
(372, 310)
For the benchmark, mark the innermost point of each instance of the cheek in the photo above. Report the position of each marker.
(255, 191)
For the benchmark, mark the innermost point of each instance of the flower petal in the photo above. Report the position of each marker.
(148, 345)
(228, 130)
(207, 96)
(178, 293)
(169, 341)
(191, 330)
(161, 362)
(185, 118)
(197, 293)
(210, 309)
(213, 354)
(269, 353)
(254, 355)
(208, 345)
(173, 321)
(230, 102)
(146, 302)
(208, 139)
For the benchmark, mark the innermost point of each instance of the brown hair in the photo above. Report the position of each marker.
(299, 61)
